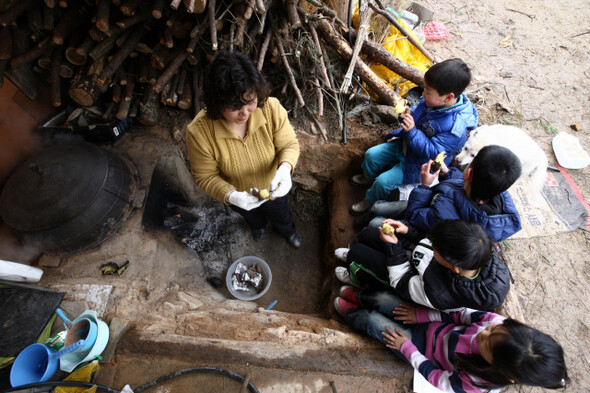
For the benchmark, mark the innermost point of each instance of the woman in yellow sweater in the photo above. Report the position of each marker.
(243, 140)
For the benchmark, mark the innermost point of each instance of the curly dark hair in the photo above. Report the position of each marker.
(229, 77)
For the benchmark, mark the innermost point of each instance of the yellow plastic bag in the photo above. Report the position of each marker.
(398, 45)
(83, 374)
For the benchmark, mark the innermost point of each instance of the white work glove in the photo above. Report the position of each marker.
(281, 183)
(243, 200)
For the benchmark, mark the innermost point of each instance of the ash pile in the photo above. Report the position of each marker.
(201, 229)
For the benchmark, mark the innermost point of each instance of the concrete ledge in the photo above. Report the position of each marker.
(335, 360)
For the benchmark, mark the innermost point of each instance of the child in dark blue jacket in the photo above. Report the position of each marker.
(478, 194)
(439, 122)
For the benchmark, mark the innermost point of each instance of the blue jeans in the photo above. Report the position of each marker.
(384, 164)
(384, 209)
(375, 313)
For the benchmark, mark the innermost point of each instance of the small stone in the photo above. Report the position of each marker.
(193, 302)
(576, 126)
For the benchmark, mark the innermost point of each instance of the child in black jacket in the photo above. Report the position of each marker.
(454, 267)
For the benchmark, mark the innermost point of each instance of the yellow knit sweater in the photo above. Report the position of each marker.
(222, 162)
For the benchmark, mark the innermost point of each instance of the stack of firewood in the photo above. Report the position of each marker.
(132, 57)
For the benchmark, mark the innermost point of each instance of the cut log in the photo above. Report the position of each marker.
(117, 91)
(292, 15)
(102, 48)
(78, 56)
(48, 18)
(120, 41)
(50, 3)
(109, 111)
(102, 15)
(381, 55)
(129, 7)
(32, 54)
(157, 9)
(75, 16)
(149, 108)
(170, 71)
(55, 78)
(167, 37)
(123, 110)
(290, 73)
(181, 81)
(197, 83)
(185, 101)
(96, 34)
(44, 62)
(335, 40)
(133, 20)
(15, 11)
(35, 18)
(212, 24)
(121, 55)
(125, 104)
(174, 4)
(200, 6)
(83, 90)
(160, 56)
(66, 70)
(172, 98)
(263, 49)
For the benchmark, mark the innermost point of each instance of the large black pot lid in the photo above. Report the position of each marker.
(53, 187)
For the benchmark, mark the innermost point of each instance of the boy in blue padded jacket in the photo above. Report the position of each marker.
(439, 122)
(478, 194)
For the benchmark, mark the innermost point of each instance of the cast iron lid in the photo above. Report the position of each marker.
(53, 187)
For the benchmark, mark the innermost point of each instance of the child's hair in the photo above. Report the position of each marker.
(494, 169)
(464, 244)
(525, 355)
(229, 77)
(449, 76)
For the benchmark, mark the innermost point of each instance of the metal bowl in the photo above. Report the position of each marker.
(252, 293)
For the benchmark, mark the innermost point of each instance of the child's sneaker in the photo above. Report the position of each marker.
(343, 275)
(360, 180)
(348, 292)
(341, 253)
(343, 305)
(360, 207)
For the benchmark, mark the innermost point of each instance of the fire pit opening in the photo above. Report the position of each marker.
(219, 236)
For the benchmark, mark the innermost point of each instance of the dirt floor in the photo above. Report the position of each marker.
(532, 58)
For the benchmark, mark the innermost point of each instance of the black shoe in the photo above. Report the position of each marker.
(363, 220)
(258, 234)
(294, 240)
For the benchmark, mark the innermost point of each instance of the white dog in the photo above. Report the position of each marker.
(532, 157)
